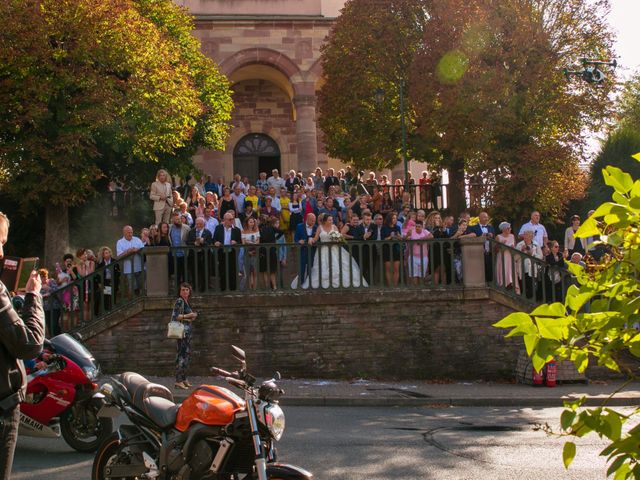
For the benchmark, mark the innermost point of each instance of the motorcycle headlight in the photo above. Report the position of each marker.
(274, 418)
(91, 373)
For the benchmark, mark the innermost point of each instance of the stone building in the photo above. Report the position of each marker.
(270, 50)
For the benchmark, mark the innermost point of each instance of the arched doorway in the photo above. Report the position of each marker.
(256, 153)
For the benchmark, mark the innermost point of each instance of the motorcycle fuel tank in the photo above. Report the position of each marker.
(209, 405)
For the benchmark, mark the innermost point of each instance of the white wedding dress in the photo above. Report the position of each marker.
(333, 266)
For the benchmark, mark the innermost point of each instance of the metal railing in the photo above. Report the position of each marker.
(353, 265)
(525, 277)
(291, 267)
(104, 291)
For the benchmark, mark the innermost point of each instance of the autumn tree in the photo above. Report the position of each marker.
(369, 51)
(95, 87)
(494, 98)
(486, 93)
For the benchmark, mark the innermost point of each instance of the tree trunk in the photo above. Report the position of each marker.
(56, 234)
(455, 191)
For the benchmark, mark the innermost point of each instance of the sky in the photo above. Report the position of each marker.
(625, 20)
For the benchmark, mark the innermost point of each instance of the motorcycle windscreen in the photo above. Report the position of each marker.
(68, 346)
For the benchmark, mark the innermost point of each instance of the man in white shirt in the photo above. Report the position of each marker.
(539, 232)
(275, 200)
(239, 197)
(210, 222)
(132, 267)
(276, 181)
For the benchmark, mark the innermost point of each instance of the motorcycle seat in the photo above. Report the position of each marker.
(161, 411)
(141, 389)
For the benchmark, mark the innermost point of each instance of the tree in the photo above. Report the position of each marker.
(90, 88)
(597, 321)
(370, 49)
(488, 90)
(486, 93)
(617, 151)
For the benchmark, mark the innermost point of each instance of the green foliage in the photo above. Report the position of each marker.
(616, 151)
(93, 88)
(605, 331)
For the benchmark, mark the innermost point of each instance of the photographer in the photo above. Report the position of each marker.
(19, 339)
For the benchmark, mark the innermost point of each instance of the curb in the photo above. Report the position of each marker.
(446, 402)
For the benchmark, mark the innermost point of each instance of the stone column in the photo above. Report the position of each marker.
(157, 271)
(473, 262)
(306, 134)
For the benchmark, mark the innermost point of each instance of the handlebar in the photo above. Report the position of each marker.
(236, 383)
(222, 373)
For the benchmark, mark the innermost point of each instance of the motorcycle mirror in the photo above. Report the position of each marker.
(238, 353)
(277, 376)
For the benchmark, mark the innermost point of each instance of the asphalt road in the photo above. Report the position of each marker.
(352, 443)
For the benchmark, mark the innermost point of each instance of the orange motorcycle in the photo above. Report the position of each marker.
(213, 435)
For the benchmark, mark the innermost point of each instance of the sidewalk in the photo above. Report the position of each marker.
(304, 392)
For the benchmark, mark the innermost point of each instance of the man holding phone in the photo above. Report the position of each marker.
(20, 338)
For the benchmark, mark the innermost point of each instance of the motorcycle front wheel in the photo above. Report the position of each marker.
(82, 429)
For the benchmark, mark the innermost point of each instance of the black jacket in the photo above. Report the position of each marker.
(218, 234)
(206, 234)
(19, 339)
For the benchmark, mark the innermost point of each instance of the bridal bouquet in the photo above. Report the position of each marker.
(336, 237)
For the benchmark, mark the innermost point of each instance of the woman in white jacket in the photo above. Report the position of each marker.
(162, 197)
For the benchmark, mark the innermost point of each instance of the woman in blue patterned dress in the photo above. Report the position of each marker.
(182, 312)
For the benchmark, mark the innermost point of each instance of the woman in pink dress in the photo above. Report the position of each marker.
(504, 261)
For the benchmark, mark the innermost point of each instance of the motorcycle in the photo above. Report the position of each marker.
(213, 435)
(60, 397)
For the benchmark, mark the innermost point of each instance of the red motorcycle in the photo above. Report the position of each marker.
(60, 397)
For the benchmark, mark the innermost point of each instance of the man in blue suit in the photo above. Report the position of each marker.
(304, 232)
(484, 230)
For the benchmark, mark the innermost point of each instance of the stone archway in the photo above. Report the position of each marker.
(255, 153)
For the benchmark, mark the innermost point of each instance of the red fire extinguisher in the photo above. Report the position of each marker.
(552, 369)
(538, 378)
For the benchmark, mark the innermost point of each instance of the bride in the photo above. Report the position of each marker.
(332, 264)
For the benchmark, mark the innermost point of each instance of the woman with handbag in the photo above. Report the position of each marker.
(183, 313)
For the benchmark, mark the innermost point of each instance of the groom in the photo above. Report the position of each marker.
(304, 232)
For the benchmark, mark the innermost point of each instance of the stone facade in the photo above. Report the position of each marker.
(378, 334)
(270, 51)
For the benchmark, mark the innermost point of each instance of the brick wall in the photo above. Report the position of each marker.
(259, 102)
(391, 335)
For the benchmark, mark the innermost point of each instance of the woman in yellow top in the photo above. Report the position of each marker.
(253, 198)
(285, 213)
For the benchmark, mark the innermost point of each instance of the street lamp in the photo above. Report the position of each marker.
(379, 96)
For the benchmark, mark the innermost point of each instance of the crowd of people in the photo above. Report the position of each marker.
(306, 215)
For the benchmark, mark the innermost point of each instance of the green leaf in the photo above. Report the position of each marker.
(622, 472)
(588, 229)
(567, 418)
(530, 343)
(568, 453)
(513, 320)
(619, 198)
(614, 424)
(523, 329)
(603, 210)
(575, 302)
(621, 181)
(582, 361)
(549, 310)
(636, 156)
(553, 328)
